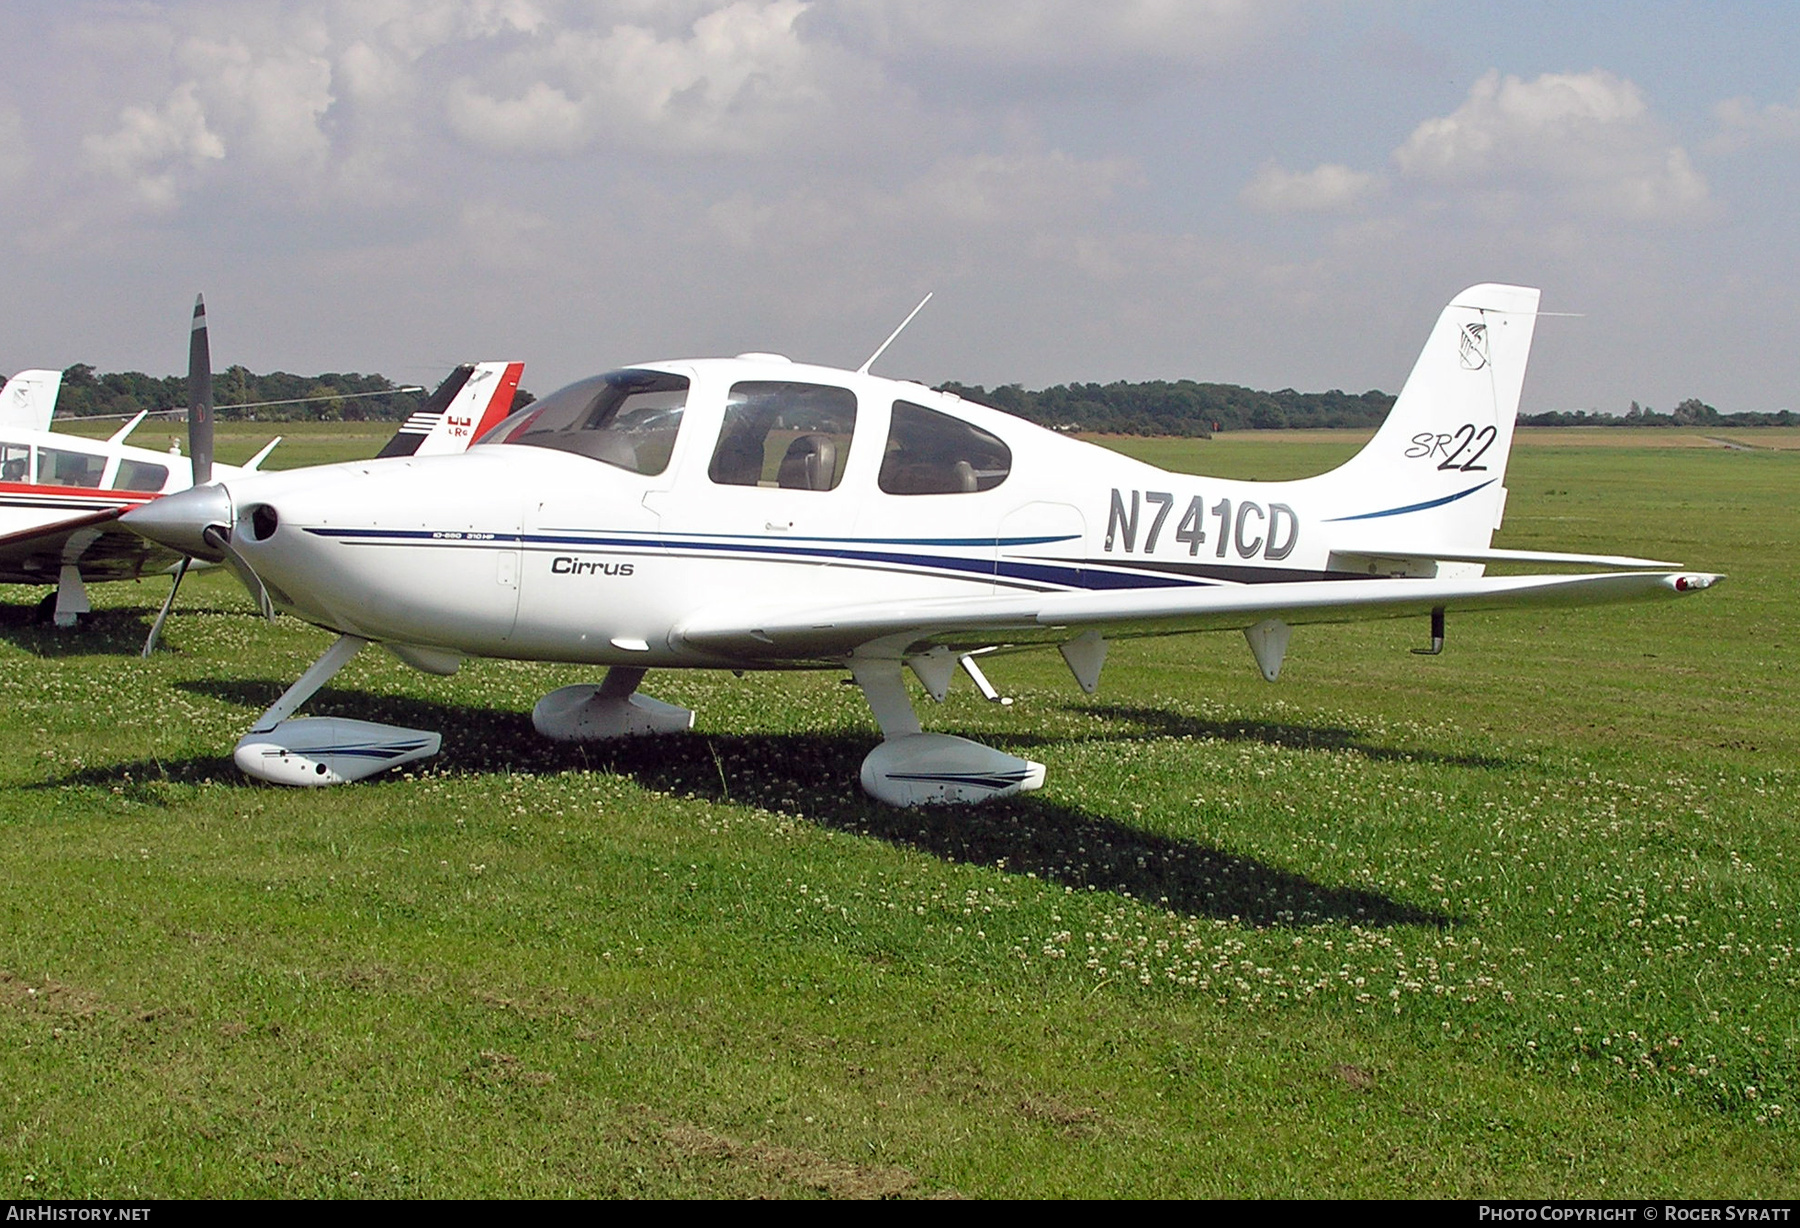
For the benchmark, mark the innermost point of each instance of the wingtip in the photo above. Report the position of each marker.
(1692, 582)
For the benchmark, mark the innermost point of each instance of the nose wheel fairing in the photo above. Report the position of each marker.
(312, 751)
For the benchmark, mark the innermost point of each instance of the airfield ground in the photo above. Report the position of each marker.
(1519, 920)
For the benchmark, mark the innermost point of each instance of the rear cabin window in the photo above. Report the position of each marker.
(625, 418)
(140, 475)
(929, 453)
(59, 468)
(15, 463)
(785, 435)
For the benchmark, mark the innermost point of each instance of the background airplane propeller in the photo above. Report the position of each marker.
(200, 397)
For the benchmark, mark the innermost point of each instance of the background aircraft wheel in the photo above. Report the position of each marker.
(45, 613)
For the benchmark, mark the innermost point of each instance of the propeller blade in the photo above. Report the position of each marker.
(200, 397)
(163, 614)
(220, 539)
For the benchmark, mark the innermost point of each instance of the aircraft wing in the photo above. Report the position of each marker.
(94, 541)
(791, 633)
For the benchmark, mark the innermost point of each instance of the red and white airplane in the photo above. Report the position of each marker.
(754, 513)
(61, 494)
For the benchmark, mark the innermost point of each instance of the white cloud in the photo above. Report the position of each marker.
(737, 78)
(1586, 141)
(1019, 199)
(273, 101)
(1015, 189)
(1044, 33)
(255, 96)
(1328, 188)
(543, 119)
(411, 28)
(311, 101)
(1744, 125)
(150, 146)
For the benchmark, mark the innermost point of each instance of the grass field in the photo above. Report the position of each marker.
(1519, 920)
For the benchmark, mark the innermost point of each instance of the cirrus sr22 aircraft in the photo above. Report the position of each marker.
(754, 513)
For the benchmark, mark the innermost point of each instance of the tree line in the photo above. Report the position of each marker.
(1691, 412)
(1180, 407)
(1151, 407)
(239, 394)
(1158, 407)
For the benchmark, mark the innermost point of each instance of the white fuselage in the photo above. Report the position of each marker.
(537, 553)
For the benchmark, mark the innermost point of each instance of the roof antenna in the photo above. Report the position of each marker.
(864, 369)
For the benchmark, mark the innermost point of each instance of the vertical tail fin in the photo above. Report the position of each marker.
(1434, 475)
(28, 401)
(472, 400)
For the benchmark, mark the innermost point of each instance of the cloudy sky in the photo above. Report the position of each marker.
(1252, 191)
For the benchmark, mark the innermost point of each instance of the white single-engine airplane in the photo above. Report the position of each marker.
(61, 494)
(754, 513)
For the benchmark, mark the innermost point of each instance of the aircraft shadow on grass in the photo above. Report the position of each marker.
(803, 774)
(1159, 722)
(113, 631)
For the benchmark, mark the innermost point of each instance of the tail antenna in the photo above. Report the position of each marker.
(882, 349)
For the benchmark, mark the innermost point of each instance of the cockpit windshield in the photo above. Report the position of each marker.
(624, 418)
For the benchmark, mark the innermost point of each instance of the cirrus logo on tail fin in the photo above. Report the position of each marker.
(1474, 347)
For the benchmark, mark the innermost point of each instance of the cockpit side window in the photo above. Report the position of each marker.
(15, 462)
(778, 434)
(624, 418)
(929, 453)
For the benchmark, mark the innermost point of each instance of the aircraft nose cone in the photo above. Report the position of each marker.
(180, 521)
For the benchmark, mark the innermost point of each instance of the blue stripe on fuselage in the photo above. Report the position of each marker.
(1031, 572)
